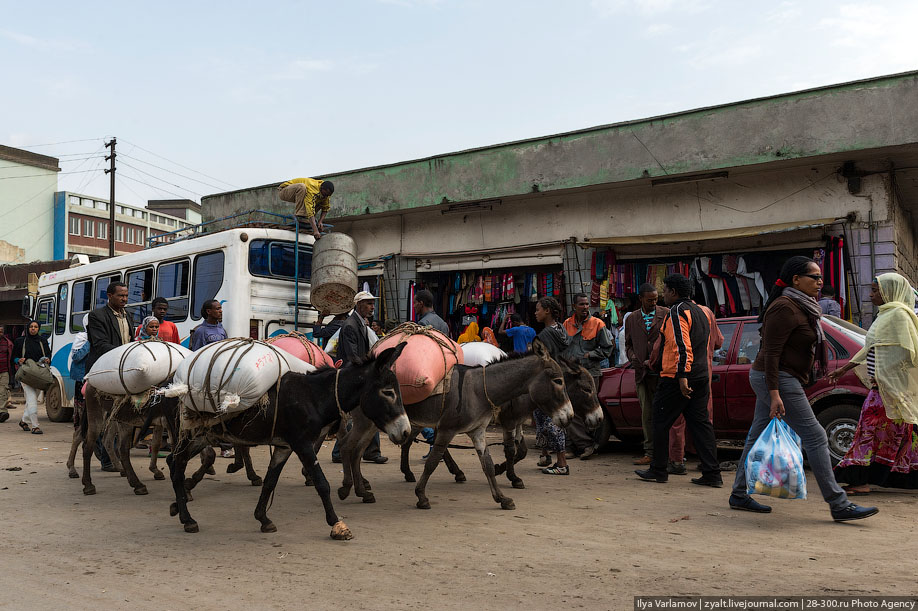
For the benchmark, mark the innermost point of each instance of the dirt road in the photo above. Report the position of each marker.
(592, 540)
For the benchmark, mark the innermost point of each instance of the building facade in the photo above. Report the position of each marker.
(724, 194)
(27, 185)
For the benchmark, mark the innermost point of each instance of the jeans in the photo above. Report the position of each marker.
(668, 405)
(799, 415)
(645, 391)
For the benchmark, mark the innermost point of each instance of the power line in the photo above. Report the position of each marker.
(180, 165)
(161, 190)
(16, 165)
(170, 171)
(33, 175)
(64, 142)
(127, 165)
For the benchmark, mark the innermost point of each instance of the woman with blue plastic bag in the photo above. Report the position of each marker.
(885, 447)
(792, 343)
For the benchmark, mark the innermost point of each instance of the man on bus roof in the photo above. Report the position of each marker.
(311, 197)
(168, 332)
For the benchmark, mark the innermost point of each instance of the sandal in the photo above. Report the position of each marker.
(556, 470)
(37, 431)
(24, 426)
(544, 460)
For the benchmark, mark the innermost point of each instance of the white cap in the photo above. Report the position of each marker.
(363, 296)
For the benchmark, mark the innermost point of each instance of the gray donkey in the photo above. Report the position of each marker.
(473, 398)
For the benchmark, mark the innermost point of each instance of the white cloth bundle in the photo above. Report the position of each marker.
(136, 367)
(232, 375)
(480, 353)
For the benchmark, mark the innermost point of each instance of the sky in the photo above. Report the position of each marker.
(206, 97)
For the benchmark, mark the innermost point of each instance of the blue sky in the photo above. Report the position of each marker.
(243, 94)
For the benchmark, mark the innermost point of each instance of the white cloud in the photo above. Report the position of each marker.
(299, 69)
(648, 8)
(877, 41)
(658, 29)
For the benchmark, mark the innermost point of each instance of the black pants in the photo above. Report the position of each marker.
(668, 404)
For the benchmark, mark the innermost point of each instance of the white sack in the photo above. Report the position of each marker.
(136, 367)
(241, 371)
(480, 353)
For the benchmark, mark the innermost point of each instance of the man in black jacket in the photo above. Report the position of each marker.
(109, 326)
(353, 346)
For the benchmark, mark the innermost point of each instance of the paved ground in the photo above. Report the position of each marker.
(591, 540)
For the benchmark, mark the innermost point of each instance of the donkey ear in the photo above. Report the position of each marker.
(567, 365)
(388, 356)
(539, 349)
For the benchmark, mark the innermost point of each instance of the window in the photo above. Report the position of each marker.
(44, 314)
(80, 304)
(172, 283)
(143, 215)
(130, 235)
(750, 342)
(89, 228)
(208, 278)
(721, 354)
(119, 209)
(101, 205)
(103, 230)
(119, 233)
(74, 200)
(170, 222)
(102, 283)
(60, 323)
(88, 203)
(275, 259)
(140, 294)
(74, 225)
(141, 236)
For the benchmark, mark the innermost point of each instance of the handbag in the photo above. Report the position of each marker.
(33, 374)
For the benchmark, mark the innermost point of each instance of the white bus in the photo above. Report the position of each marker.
(249, 270)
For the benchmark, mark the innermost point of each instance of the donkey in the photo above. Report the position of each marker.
(473, 396)
(296, 415)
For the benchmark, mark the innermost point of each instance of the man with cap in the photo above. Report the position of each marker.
(311, 196)
(353, 346)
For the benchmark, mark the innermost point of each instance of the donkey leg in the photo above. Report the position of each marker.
(510, 460)
(238, 462)
(125, 441)
(108, 442)
(358, 447)
(246, 452)
(307, 456)
(453, 466)
(278, 460)
(521, 449)
(487, 465)
(433, 460)
(208, 456)
(182, 452)
(94, 414)
(154, 451)
(406, 454)
(74, 446)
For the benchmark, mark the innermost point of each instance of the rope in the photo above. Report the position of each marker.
(311, 349)
(495, 409)
(341, 413)
(126, 354)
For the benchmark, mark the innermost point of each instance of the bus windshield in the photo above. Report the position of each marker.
(274, 259)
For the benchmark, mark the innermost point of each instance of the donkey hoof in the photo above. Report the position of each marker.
(191, 527)
(498, 469)
(211, 470)
(89, 490)
(72, 474)
(518, 484)
(369, 497)
(140, 490)
(173, 510)
(122, 473)
(507, 504)
(366, 485)
(256, 481)
(425, 504)
(409, 477)
(158, 475)
(268, 527)
(308, 481)
(340, 532)
(232, 467)
(343, 492)
(188, 497)
(460, 477)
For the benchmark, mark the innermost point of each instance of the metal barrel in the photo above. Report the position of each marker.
(334, 273)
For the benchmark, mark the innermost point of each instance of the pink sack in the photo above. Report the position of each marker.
(303, 349)
(423, 363)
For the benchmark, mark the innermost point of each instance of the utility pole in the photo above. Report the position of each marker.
(111, 201)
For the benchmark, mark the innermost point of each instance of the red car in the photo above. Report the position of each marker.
(837, 407)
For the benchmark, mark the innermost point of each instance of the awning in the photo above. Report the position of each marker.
(526, 256)
(778, 236)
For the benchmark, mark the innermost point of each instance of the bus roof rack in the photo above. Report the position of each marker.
(248, 218)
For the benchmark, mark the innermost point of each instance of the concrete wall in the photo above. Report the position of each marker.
(27, 212)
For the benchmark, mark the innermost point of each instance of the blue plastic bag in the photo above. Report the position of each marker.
(774, 466)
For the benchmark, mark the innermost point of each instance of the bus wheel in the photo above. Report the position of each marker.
(54, 406)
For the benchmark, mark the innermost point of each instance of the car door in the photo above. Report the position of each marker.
(739, 397)
(720, 365)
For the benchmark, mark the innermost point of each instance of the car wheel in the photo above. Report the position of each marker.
(840, 423)
(603, 432)
(54, 405)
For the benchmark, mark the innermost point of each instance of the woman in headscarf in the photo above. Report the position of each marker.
(471, 334)
(548, 434)
(487, 335)
(31, 346)
(885, 447)
(149, 328)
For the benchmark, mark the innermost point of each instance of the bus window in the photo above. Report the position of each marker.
(140, 294)
(80, 304)
(208, 278)
(60, 323)
(44, 314)
(275, 259)
(102, 283)
(172, 283)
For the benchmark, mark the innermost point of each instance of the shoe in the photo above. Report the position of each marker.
(4, 416)
(853, 512)
(644, 460)
(587, 452)
(25, 427)
(556, 470)
(676, 468)
(649, 475)
(336, 459)
(231, 453)
(379, 459)
(748, 504)
(37, 431)
(109, 468)
(544, 460)
(704, 481)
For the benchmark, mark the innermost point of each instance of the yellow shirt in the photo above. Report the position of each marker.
(313, 200)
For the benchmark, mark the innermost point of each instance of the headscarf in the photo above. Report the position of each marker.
(143, 327)
(893, 336)
(471, 334)
(487, 335)
(80, 339)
